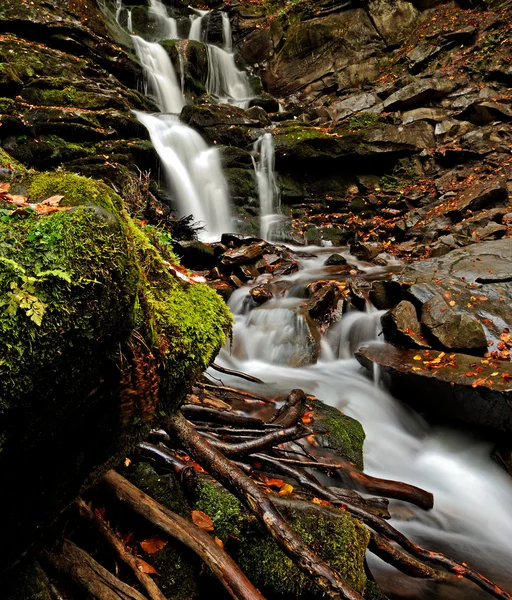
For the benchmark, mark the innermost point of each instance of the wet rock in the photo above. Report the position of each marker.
(196, 255)
(418, 92)
(335, 259)
(261, 293)
(365, 251)
(259, 114)
(324, 302)
(267, 102)
(450, 386)
(385, 294)
(234, 240)
(480, 196)
(402, 327)
(244, 254)
(451, 329)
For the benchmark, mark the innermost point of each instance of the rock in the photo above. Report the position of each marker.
(335, 259)
(483, 195)
(261, 293)
(425, 114)
(450, 329)
(323, 302)
(477, 279)
(265, 101)
(451, 386)
(357, 75)
(401, 326)
(420, 55)
(393, 138)
(354, 104)
(196, 255)
(235, 240)
(365, 251)
(244, 254)
(418, 92)
(256, 113)
(393, 19)
(385, 294)
(481, 113)
(465, 35)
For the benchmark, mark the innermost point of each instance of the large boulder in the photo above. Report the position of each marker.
(97, 337)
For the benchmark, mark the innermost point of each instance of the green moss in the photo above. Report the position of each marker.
(345, 436)
(67, 96)
(363, 119)
(76, 190)
(339, 539)
(8, 162)
(293, 133)
(7, 106)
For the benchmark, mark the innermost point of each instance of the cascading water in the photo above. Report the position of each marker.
(169, 27)
(472, 515)
(193, 171)
(196, 25)
(268, 190)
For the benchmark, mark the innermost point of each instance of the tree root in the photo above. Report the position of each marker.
(260, 505)
(152, 590)
(90, 575)
(224, 567)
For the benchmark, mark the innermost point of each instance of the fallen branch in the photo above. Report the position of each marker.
(223, 388)
(127, 557)
(212, 415)
(90, 575)
(223, 566)
(260, 505)
(290, 412)
(236, 373)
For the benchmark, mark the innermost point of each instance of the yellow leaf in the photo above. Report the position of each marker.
(127, 462)
(494, 374)
(286, 490)
(417, 357)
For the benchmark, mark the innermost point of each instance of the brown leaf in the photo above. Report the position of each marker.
(182, 273)
(4, 187)
(153, 544)
(18, 200)
(143, 566)
(219, 542)
(202, 520)
(52, 201)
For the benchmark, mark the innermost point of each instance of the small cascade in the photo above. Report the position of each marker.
(226, 33)
(225, 82)
(268, 190)
(162, 83)
(196, 25)
(169, 25)
(193, 171)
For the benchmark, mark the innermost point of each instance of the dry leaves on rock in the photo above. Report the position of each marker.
(50, 205)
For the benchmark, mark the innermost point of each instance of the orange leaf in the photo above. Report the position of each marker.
(286, 490)
(18, 200)
(202, 520)
(153, 544)
(478, 382)
(308, 417)
(143, 566)
(4, 187)
(182, 273)
(278, 483)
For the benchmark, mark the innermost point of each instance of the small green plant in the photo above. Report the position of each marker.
(388, 184)
(24, 297)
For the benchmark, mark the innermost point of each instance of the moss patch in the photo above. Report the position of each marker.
(340, 540)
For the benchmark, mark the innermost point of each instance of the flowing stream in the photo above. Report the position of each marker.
(472, 516)
(268, 190)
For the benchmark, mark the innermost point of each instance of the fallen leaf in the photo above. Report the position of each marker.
(52, 201)
(127, 462)
(202, 520)
(153, 544)
(417, 357)
(286, 490)
(143, 566)
(308, 417)
(219, 542)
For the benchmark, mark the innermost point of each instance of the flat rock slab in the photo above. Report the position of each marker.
(448, 385)
(475, 280)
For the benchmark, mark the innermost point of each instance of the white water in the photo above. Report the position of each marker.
(168, 24)
(225, 82)
(268, 190)
(196, 25)
(472, 517)
(193, 171)
(161, 81)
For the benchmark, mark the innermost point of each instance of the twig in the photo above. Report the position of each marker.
(224, 567)
(260, 505)
(262, 443)
(223, 388)
(89, 574)
(127, 557)
(201, 413)
(236, 373)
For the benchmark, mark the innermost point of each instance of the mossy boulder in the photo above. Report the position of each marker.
(97, 336)
(338, 539)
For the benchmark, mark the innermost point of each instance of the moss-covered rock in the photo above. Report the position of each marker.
(338, 539)
(96, 336)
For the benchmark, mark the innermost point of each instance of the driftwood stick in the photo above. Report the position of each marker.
(290, 412)
(374, 485)
(223, 388)
(236, 373)
(212, 415)
(223, 566)
(90, 575)
(262, 443)
(403, 562)
(260, 505)
(152, 590)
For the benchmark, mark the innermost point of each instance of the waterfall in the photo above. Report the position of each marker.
(169, 25)
(193, 171)
(196, 25)
(268, 190)
(225, 82)
(162, 83)
(226, 33)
